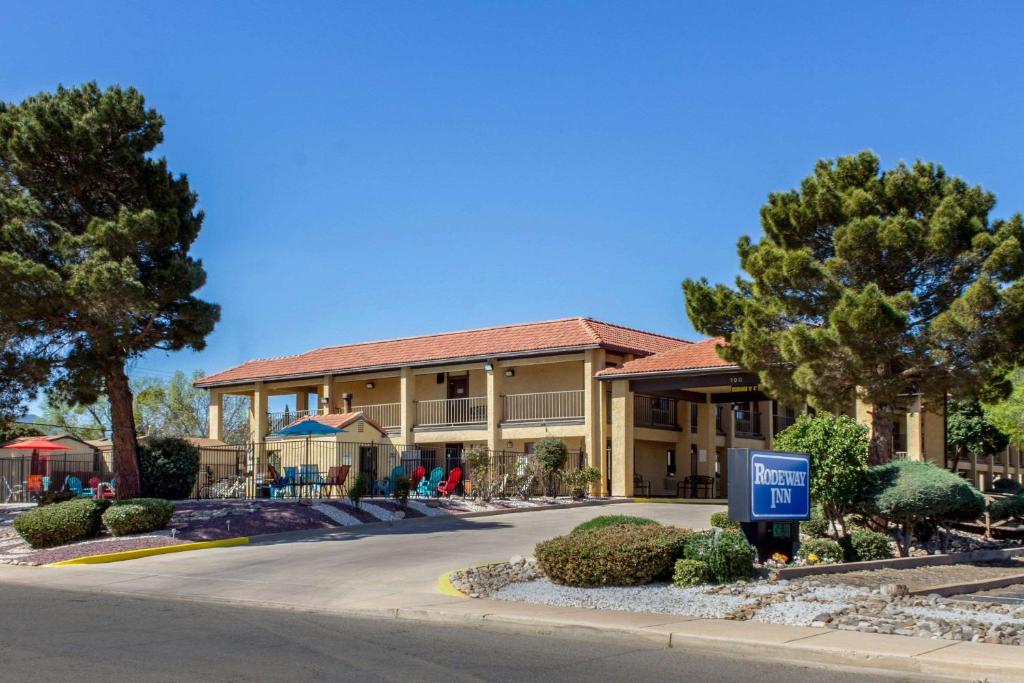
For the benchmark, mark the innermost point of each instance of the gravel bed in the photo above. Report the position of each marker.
(408, 512)
(97, 547)
(357, 512)
(342, 518)
(917, 578)
(244, 518)
(427, 510)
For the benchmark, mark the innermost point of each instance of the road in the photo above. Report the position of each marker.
(368, 567)
(57, 635)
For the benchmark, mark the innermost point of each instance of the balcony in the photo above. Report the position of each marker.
(451, 412)
(780, 422)
(278, 421)
(387, 415)
(542, 407)
(654, 412)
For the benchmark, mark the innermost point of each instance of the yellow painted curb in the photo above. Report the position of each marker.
(146, 552)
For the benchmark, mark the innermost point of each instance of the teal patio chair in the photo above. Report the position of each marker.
(74, 484)
(428, 485)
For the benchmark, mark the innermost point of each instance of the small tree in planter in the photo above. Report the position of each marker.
(481, 473)
(525, 478)
(551, 453)
(579, 481)
(403, 487)
(360, 487)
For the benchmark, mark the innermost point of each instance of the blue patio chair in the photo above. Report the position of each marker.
(382, 487)
(74, 484)
(309, 475)
(290, 475)
(428, 485)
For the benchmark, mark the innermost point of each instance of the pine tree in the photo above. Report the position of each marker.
(874, 285)
(95, 235)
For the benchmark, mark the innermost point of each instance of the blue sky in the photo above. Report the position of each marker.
(383, 169)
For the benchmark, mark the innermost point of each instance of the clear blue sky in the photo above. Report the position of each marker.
(377, 169)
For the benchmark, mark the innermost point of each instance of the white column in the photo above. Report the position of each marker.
(216, 426)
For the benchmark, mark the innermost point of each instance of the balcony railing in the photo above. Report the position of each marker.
(658, 413)
(387, 415)
(280, 420)
(547, 405)
(447, 412)
(780, 422)
(748, 423)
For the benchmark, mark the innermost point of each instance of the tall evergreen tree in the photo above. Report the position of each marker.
(875, 285)
(95, 235)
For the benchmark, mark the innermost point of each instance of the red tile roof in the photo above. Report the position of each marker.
(341, 420)
(700, 355)
(509, 340)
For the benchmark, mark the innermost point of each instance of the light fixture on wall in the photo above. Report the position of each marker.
(508, 445)
(488, 366)
(370, 385)
(510, 372)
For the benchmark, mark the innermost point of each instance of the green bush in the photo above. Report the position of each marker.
(551, 453)
(722, 521)
(907, 492)
(137, 516)
(1007, 507)
(691, 573)
(618, 555)
(403, 487)
(168, 468)
(839, 446)
(602, 521)
(731, 557)
(816, 526)
(821, 551)
(698, 545)
(60, 523)
(869, 545)
(359, 488)
(579, 480)
(1004, 485)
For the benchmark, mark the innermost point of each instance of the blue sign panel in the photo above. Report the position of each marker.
(780, 486)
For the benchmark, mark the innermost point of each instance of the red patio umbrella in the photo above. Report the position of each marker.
(37, 444)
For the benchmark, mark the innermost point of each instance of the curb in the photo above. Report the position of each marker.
(948, 589)
(104, 558)
(900, 563)
(445, 585)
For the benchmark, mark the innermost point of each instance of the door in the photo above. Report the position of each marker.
(453, 459)
(458, 388)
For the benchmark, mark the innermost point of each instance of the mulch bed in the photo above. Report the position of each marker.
(244, 518)
(97, 547)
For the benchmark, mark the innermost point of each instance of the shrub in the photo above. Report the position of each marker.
(403, 487)
(870, 545)
(618, 555)
(816, 526)
(839, 446)
(907, 492)
(551, 453)
(1005, 508)
(579, 480)
(481, 473)
(698, 545)
(359, 488)
(730, 557)
(137, 516)
(722, 521)
(821, 551)
(168, 468)
(1004, 485)
(691, 573)
(60, 523)
(613, 520)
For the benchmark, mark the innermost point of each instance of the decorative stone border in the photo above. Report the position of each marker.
(789, 573)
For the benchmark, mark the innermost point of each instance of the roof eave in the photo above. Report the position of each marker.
(667, 373)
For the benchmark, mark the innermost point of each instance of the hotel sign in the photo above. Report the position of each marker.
(766, 486)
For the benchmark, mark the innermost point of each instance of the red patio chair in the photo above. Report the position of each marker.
(448, 486)
(417, 476)
(336, 477)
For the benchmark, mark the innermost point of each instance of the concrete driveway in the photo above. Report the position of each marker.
(376, 566)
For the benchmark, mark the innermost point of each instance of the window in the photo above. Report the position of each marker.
(670, 457)
(693, 418)
(528, 447)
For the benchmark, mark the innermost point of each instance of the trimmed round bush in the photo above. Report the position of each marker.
(1005, 508)
(907, 492)
(168, 468)
(1004, 485)
(618, 555)
(870, 545)
(614, 520)
(821, 551)
(721, 520)
(691, 573)
(137, 516)
(730, 557)
(698, 545)
(60, 523)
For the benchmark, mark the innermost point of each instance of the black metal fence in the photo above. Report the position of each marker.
(298, 467)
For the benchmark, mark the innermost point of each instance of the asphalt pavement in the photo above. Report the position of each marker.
(65, 635)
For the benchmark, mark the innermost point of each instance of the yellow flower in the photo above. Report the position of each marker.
(780, 558)
(812, 558)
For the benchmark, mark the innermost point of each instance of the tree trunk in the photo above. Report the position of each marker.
(124, 438)
(881, 435)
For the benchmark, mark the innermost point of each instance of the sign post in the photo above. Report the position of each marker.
(769, 495)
